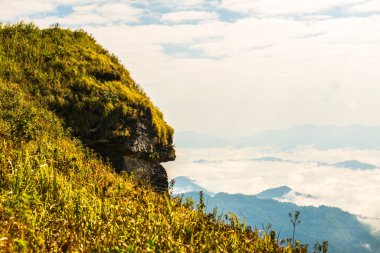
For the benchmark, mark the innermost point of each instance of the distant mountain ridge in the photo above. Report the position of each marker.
(318, 136)
(279, 193)
(355, 165)
(321, 137)
(348, 164)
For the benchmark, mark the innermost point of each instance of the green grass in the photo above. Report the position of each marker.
(77, 78)
(57, 195)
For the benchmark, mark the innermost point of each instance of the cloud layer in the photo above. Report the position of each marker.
(237, 171)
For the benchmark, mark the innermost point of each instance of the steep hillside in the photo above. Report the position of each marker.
(61, 93)
(92, 92)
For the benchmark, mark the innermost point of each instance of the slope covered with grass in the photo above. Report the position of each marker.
(77, 78)
(57, 195)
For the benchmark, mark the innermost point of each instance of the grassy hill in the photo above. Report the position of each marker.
(75, 77)
(56, 194)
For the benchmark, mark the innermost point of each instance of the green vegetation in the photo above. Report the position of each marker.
(76, 78)
(57, 195)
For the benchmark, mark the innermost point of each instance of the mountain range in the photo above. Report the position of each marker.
(348, 164)
(343, 231)
(318, 136)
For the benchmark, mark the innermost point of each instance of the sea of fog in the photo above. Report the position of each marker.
(305, 170)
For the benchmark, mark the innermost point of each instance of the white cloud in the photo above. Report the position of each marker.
(366, 246)
(183, 4)
(279, 7)
(107, 13)
(17, 8)
(183, 16)
(83, 12)
(367, 7)
(74, 2)
(85, 8)
(21, 9)
(119, 12)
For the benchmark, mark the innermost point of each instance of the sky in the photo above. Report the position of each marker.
(236, 67)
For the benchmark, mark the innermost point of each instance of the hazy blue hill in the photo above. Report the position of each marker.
(355, 165)
(342, 229)
(269, 159)
(280, 193)
(274, 192)
(197, 140)
(322, 137)
(185, 184)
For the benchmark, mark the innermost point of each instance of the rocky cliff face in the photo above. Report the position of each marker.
(139, 154)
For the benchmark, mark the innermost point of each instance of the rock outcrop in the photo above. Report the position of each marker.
(139, 154)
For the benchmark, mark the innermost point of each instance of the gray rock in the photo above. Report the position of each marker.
(147, 172)
(139, 154)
